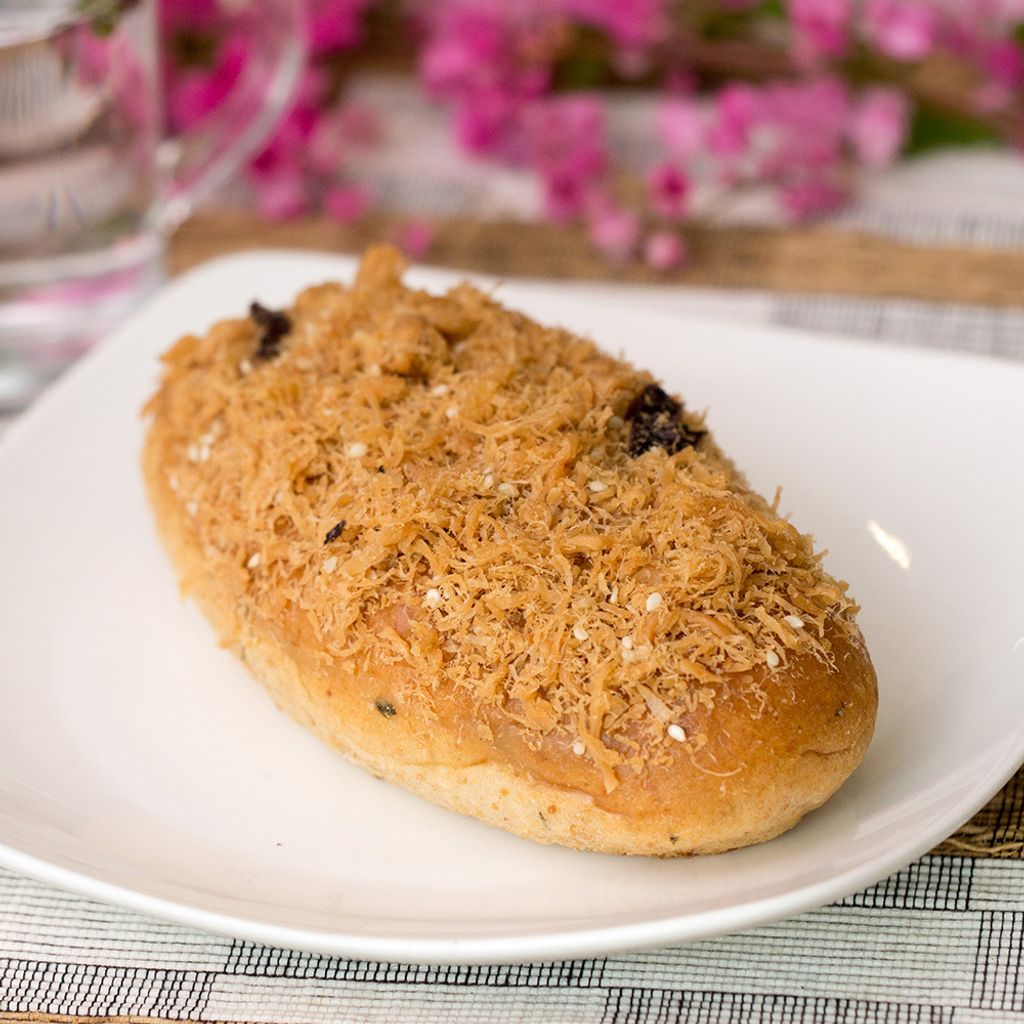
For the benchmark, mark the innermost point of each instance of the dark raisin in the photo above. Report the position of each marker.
(275, 325)
(386, 708)
(334, 532)
(655, 421)
(653, 401)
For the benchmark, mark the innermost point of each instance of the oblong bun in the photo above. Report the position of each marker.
(504, 570)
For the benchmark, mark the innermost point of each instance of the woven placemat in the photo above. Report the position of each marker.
(808, 260)
(818, 261)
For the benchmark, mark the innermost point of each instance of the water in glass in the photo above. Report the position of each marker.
(79, 179)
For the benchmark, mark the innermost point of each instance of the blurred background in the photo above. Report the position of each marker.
(820, 156)
(632, 117)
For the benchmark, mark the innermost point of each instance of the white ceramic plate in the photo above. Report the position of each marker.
(139, 764)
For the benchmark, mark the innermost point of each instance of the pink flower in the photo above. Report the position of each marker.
(903, 29)
(565, 142)
(821, 28)
(680, 126)
(632, 24)
(565, 196)
(805, 199)
(567, 131)
(878, 125)
(464, 46)
(491, 124)
(1003, 63)
(188, 15)
(736, 108)
(664, 250)
(333, 25)
(196, 92)
(669, 190)
(288, 146)
(325, 152)
(614, 231)
(415, 238)
(346, 203)
(799, 126)
(282, 196)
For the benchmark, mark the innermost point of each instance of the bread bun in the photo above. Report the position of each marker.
(504, 570)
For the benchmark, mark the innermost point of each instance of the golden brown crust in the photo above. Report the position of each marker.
(768, 718)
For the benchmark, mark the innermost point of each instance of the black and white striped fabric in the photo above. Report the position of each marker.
(941, 941)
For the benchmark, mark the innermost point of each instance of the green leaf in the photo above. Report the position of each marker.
(931, 129)
(103, 15)
(724, 24)
(582, 72)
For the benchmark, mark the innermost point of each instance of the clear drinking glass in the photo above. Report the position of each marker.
(89, 188)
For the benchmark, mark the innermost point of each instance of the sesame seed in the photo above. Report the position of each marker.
(578, 749)
(653, 601)
(373, 370)
(795, 621)
(627, 643)
(330, 563)
(204, 453)
(356, 450)
(772, 659)
(508, 490)
(433, 596)
(244, 367)
(451, 412)
(597, 486)
(440, 390)
(254, 561)
(192, 453)
(614, 596)
(172, 482)
(677, 733)
(191, 507)
(488, 481)
(580, 633)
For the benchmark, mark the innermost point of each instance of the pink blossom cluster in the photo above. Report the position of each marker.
(806, 138)
(909, 30)
(302, 169)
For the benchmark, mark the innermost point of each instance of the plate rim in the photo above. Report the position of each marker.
(556, 945)
(560, 943)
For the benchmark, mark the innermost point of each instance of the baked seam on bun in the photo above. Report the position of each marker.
(504, 570)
